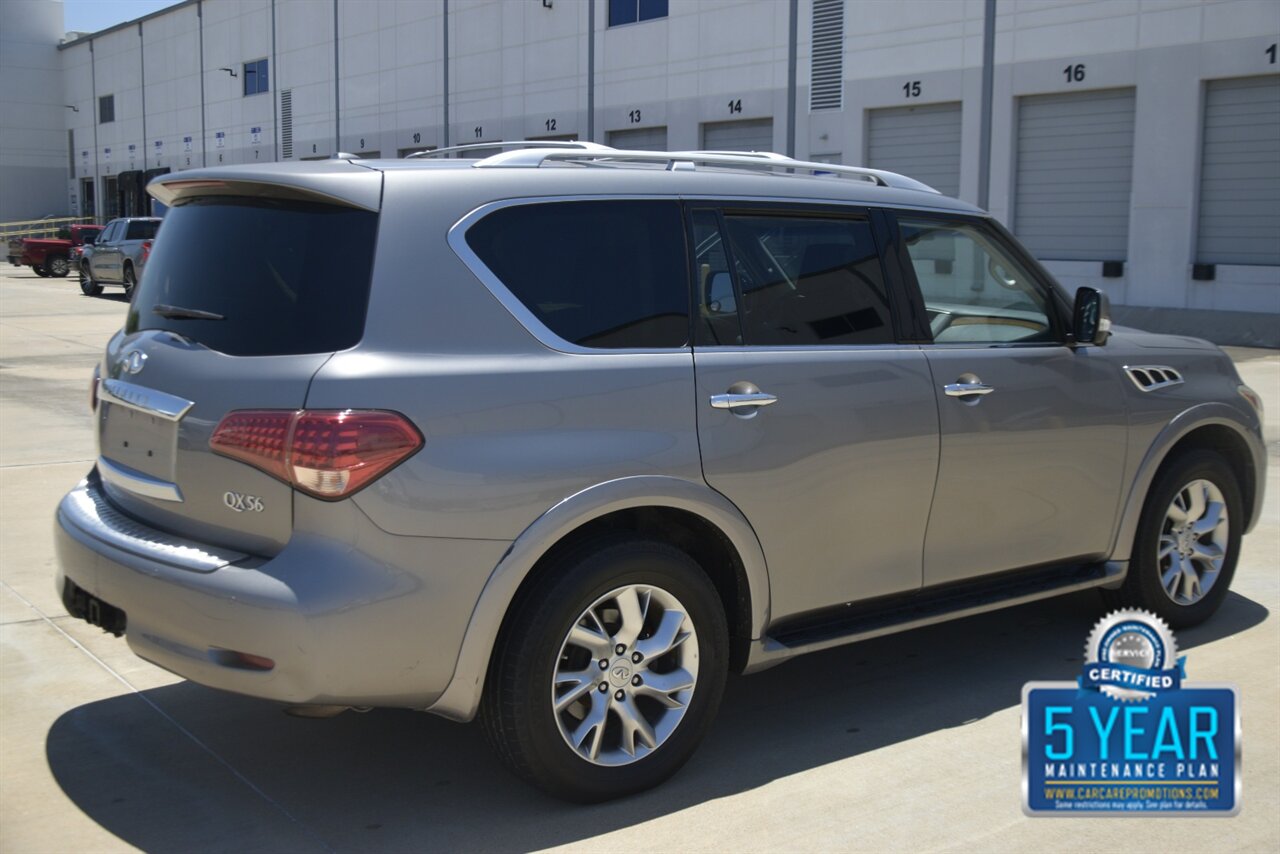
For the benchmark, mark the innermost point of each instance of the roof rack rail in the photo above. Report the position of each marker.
(690, 160)
(519, 143)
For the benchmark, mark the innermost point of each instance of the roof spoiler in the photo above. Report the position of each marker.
(330, 182)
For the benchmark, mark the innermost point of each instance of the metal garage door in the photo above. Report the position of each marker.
(1075, 171)
(922, 142)
(640, 139)
(749, 135)
(1240, 173)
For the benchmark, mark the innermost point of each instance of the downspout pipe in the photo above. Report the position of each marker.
(988, 84)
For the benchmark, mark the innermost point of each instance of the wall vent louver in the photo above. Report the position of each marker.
(286, 123)
(826, 61)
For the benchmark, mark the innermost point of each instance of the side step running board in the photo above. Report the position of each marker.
(845, 624)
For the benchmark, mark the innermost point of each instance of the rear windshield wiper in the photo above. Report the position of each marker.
(177, 312)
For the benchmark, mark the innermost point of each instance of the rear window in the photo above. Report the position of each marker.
(141, 230)
(287, 277)
(607, 274)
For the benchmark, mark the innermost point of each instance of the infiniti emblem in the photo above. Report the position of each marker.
(134, 361)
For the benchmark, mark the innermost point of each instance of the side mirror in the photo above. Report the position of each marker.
(1091, 320)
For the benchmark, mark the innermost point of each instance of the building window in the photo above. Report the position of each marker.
(106, 109)
(256, 78)
(630, 11)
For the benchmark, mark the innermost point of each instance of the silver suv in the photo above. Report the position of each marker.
(566, 434)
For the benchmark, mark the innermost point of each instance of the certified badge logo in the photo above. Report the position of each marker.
(1130, 736)
(1130, 655)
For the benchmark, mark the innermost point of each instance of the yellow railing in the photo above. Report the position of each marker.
(40, 227)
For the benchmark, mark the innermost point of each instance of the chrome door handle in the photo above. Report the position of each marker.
(967, 389)
(738, 401)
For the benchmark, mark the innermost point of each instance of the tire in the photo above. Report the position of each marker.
(88, 286)
(40, 271)
(130, 281)
(1209, 474)
(59, 266)
(535, 653)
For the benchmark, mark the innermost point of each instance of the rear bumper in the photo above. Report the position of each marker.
(370, 619)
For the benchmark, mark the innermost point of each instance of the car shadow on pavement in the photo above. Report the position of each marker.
(400, 780)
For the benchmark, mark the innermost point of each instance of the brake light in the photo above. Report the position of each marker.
(146, 250)
(327, 453)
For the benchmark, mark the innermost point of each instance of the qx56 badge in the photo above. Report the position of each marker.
(242, 503)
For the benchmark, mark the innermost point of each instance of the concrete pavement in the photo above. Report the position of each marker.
(904, 743)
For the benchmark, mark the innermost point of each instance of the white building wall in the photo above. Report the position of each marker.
(515, 67)
(34, 159)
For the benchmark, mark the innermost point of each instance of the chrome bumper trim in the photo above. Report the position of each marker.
(137, 482)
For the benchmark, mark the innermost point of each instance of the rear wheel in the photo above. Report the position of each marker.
(609, 673)
(88, 286)
(40, 271)
(1188, 541)
(59, 267)
(130, 281)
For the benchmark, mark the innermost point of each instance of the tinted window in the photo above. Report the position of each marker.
(597, 274)
(808, 280)
(142, 230)
(110, 232)
(256, 77)
(630, 11)
(974, 292)
(288, 277)
(718, 300)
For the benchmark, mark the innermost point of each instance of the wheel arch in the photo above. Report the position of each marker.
(689, 515)
(1211, 426)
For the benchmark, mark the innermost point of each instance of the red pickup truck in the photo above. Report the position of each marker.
(51, 256)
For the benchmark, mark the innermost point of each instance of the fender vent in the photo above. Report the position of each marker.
(1152, 377)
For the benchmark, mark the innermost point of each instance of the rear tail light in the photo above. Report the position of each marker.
(146, 250)
(327, 453)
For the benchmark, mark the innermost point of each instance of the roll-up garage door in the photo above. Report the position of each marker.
(749, 135)
(920, 142)
(639, 139)
(1240, 173)
(1074, 175)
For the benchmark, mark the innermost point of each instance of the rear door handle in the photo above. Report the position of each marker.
(739, 401)
(967, 389)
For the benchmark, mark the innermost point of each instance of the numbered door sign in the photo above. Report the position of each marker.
(106, 154)
(255, 135)
(220, 139)
(133, 150)
(186, 144)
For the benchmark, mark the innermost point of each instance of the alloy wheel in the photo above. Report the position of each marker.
(626, 672)
(1193, 542)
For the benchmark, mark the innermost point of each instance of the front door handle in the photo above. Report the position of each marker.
(967, 389)
(740, 401)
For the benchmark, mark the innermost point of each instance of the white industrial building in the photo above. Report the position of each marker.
(1133, 144)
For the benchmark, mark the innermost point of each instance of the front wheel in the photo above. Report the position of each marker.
(609, 672)
(59, 267)
(88, 286)
(1188, 541)
(40, 271)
